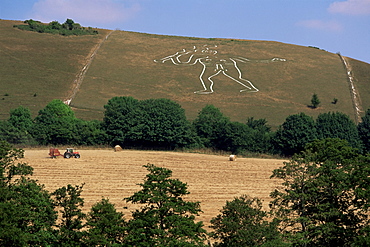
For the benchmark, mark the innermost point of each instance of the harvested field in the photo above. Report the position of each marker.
(211, 179)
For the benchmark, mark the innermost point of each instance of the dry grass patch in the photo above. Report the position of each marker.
(211, 179)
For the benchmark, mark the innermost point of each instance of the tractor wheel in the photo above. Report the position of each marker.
(67, 156)
(77, 156)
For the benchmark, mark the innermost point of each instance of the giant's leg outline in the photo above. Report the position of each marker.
(205, 89)
(250, 87)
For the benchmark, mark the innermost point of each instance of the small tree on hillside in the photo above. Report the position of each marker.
(315, 102)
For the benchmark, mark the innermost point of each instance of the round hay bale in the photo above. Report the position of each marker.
(117, 148)
(232, 157)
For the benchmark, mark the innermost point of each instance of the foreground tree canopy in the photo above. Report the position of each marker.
(242, 222)
(27, 215)
(323, 201)
(165, 218)
(326, 197)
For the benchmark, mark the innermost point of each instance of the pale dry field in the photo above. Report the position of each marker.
(212, 179)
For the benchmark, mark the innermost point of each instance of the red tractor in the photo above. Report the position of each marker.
(69, 153)
(54, 152)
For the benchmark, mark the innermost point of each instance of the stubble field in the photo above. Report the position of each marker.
(212, 179)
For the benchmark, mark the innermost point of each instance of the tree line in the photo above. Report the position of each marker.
(323, 201)
(69, 27)
(162, 124)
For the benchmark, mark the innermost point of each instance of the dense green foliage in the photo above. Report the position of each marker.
(164, 124)
(218, 132)
(338, 125)
(235, 137)
(154, 123)
(161, 124)
(69, 202)
(121, 120)
(325, 199)
(18, 127)
(27, 214)
(69, 27)
(106, 226)
(293, 135)
(209, 125)
(243, 222)
(165, 218)
(57, 124)
(364, 131)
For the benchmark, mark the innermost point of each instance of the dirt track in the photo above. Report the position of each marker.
(211, 179)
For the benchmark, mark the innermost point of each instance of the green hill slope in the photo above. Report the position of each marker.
(124, 66)
(36, 68)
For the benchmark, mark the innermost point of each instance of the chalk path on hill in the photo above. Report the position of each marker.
(80, 76)
(355, 97)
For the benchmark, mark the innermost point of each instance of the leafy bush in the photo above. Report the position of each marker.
(54, 27)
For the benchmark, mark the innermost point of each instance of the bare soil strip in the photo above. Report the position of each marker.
(80, 76)
(354, 94)
(211, 179)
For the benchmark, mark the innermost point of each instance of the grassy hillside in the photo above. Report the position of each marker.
(36, 68)
(124, 66)
(361, 73)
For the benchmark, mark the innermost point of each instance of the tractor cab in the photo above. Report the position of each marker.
(70, 153)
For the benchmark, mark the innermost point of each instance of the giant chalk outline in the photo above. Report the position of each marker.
(208, 59)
